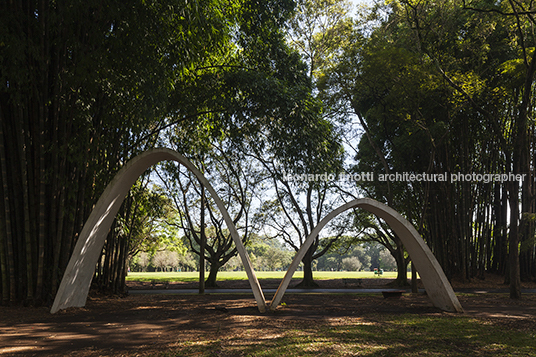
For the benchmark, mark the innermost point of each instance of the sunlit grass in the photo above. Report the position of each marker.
(241, 275)
(381, 335)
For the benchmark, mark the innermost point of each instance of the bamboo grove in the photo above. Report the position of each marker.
(72, 111)
(86, 85)
(447, 87)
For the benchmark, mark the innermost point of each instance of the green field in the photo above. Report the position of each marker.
(241, 275)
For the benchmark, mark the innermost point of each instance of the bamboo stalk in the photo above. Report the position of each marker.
(26, 211)
(6, 250)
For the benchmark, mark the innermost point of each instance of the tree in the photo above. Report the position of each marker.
(387, 262)
(140, 262)
(165, 259)
(233, 264)
(449, 74)
(520, 16)
(266, 109)
(83, 85)
(349, 247)
(139, 226)
(270, 255)
(234, 184)
(514, 23)
(351, 264)
(187, 262)
(86, 86)
(298, 206)
(316, 30)
(377, 233)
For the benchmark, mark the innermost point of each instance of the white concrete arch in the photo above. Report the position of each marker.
(434, 280)
(76, 281)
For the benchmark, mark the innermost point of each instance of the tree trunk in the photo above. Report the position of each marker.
(513, 251)
(401, 266)
(414, 287)
(6, 250)
(58, 239)
(29, 284)
(40, 173)
(213, 274)
(202, 244)
(500, 246)
(119, 286)
(308, 281)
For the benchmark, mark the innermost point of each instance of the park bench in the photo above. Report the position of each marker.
(156, 283)
(392, 294)
(352, 282)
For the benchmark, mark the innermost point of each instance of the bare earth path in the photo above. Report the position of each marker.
(138, 325)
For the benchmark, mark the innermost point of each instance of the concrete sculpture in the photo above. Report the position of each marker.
(433, 278)
(76, 281)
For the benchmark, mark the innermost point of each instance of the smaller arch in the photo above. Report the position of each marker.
(432, 276)
(77, 278)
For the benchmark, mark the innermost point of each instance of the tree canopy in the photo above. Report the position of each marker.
(446, 87)
(438, 87)
(87, 85)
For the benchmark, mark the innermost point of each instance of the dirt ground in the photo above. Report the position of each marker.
(140, 325)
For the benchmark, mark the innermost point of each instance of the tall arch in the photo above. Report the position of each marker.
(76, 281)
(433, 278)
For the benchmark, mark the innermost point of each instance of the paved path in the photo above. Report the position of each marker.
(313, 291)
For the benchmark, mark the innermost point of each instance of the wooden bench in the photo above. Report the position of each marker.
(352, 282)
(392, 294)
(164, 284)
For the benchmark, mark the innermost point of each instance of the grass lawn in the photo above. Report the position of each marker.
(306, 325)
(383, 335)
(241, 275)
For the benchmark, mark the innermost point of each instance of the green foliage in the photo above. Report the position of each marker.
(319, 29)
(368, 255)
(86, 85)
(439, 87)
(145, 222)
(267, 255)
